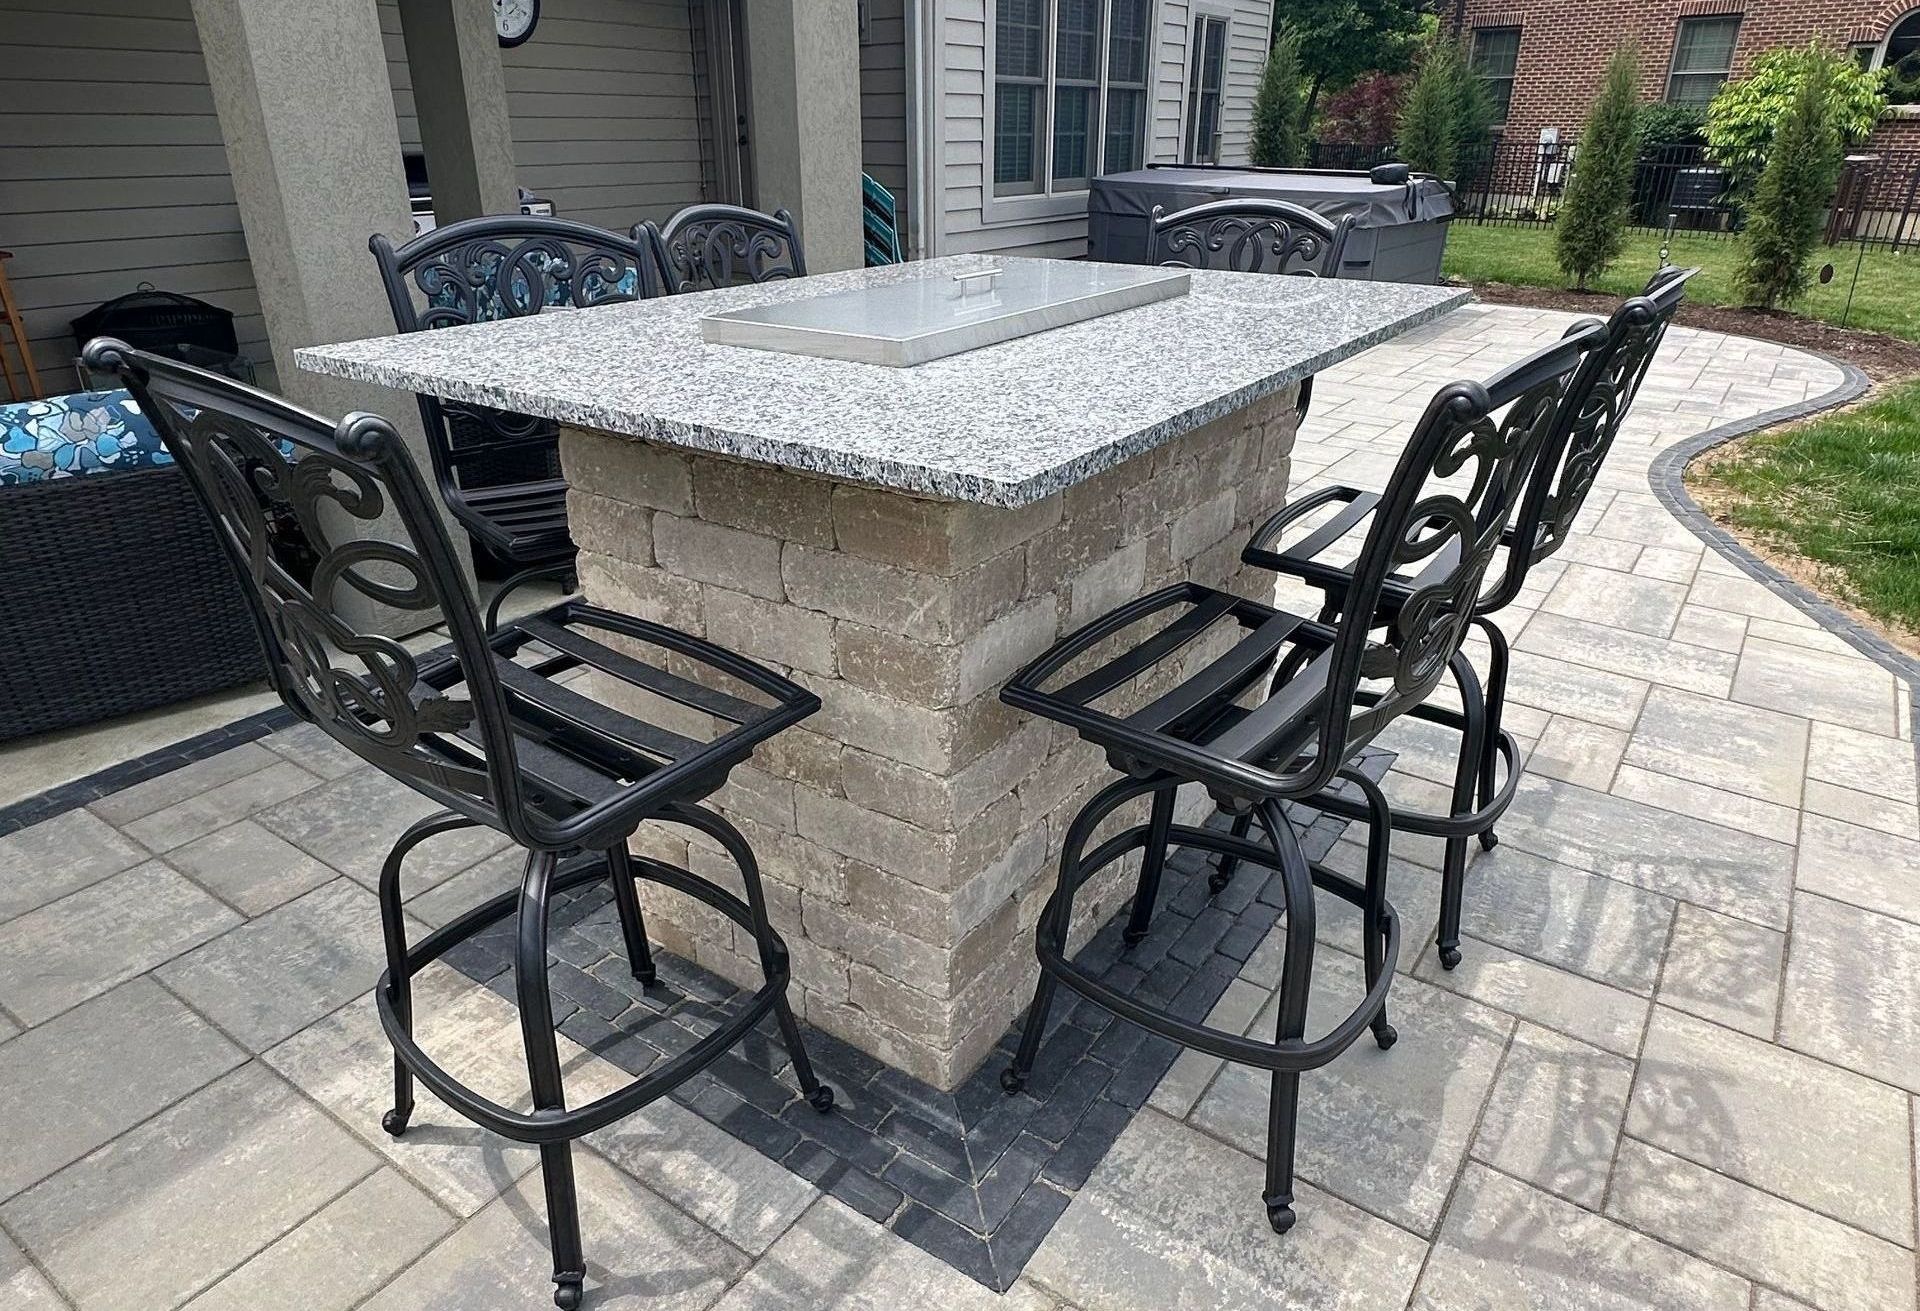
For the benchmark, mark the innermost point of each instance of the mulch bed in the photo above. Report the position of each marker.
(1882, 358)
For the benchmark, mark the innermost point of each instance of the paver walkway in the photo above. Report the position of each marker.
(1675, 1070)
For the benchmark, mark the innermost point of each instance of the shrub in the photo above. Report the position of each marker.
(1743, 117)
(1279, 136)
(1593, 217)
(1663, 124)
(1364, 113)
(1447, 113)
(1788, 206)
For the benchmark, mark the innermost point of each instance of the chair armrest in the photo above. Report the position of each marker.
(1262, 549)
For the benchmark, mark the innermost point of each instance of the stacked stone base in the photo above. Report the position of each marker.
(907, 832)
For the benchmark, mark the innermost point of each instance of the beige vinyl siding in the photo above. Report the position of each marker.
(970, 223)
(112, 171)
(602, 104)
(883, 102)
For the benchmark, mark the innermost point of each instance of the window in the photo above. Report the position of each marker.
(1069, 92)
(1206, 77)
(1902, 55)
(1496, 52)
(1702, 58)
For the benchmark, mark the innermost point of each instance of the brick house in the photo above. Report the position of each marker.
(1543, 59)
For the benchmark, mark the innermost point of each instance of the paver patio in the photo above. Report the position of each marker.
(1676, 1069)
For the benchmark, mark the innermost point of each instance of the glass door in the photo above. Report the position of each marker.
(1207, 74)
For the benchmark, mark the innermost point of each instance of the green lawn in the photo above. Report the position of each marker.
(1888, 298)
(1843, 492)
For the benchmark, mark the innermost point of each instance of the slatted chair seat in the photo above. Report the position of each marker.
(526, 520)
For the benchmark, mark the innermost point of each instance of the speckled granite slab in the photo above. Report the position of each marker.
(1003, 425)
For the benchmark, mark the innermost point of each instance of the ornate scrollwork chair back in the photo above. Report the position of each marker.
(1600, 399)
(1250, 236)
(707, 246)
(506, 267)
(1424, 563)
(294, 499)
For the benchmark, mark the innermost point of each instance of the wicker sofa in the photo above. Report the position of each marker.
(114, 595)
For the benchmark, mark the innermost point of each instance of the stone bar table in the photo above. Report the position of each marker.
(901, 540)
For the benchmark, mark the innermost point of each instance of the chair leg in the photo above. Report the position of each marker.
(393, 928)
(543, 1071)
(1376, 918)
(1228, 864)
(1466, 778)
(1054, 921)
(633, 926)
(772, 962)
(1153, 860)
(1296, 974)
(1496, 703)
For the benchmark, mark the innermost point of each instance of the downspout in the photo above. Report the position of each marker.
(924, 136)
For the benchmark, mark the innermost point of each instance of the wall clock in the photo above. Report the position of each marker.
(514, 20)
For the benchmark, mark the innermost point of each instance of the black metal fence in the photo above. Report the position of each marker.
(1521, 184)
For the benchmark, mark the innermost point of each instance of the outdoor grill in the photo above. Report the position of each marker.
(168, 323)
(1400, 218)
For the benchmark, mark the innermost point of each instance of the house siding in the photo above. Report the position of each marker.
(883, 103)
(113, 172)
(971, 222)
(603, 106)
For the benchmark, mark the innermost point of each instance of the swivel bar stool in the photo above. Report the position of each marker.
(1254, 745)
(483, 729)
(1564, 471)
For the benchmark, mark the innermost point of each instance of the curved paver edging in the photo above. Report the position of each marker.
(1667, 476)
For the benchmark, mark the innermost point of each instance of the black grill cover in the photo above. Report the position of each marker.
(1399, 234)
(164, 322)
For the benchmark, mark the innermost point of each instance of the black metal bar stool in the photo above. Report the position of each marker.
(1588, 418)
(499, 472)
(1254, 742)
(484, 729)
(707, 246)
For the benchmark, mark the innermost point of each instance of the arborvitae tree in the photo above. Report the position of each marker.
(1593, 218)
(1279, 135)
(1789, 205)
(1426, 134)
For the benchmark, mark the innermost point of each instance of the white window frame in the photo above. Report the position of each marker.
(1048, 202)
(1200, 9)
(1878, 59)
(1739, 20)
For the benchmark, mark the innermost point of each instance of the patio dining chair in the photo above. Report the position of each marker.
(499, 472)
(708, 246)
(1564, 472)
(1251, 235)
(1215, 720)
(486, 729)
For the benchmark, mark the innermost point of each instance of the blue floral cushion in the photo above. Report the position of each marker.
(72, 436)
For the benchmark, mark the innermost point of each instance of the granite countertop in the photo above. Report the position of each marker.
(1002, 425)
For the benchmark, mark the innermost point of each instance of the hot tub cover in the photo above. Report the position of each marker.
(1334, 194)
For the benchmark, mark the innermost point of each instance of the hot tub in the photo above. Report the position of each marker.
(1399, 237)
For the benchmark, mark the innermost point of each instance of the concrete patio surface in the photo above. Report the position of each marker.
(1677, 1068)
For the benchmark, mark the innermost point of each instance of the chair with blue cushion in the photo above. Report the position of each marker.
(499, 472)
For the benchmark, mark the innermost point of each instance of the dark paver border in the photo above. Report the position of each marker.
(1667, 477)
(82, 791)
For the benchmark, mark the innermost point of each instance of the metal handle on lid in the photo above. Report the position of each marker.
(977, 280)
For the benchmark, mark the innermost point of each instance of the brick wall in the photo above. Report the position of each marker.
(1564, 44)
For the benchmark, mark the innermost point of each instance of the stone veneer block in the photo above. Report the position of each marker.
(907, 832)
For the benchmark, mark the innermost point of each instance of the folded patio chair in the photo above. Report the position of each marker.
(485, 729)
(1563, 473)
(708, 246)
(499, 472)
(1175, 688)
